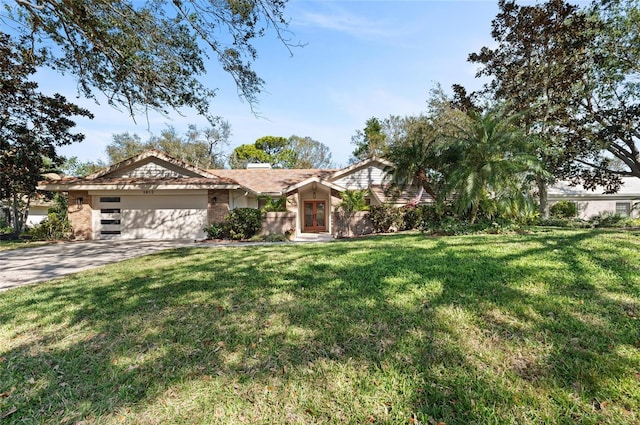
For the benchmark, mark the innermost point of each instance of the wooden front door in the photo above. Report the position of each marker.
(315, 216)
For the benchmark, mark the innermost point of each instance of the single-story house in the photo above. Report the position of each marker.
(155, 196)
(626, 202)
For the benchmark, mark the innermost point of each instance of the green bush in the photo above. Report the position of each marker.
(613, 220)
(563, 209)
(243, 223)
(54, 227)
(240, 223)
(217, 231)
(384, 217)
(411, 217)
(274, 205)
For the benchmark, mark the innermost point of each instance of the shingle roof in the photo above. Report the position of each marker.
(397, 197)
(270, 180)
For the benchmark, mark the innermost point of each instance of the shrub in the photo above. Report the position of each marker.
(243, 223)
(411, 217)
(56, 225)
(613, 220)
(240, 223)
(217, 231)
(274, 205)
(385, 218)
(563, 209)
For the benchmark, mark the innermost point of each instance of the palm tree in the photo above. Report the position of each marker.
(415, 157)
(494, 168)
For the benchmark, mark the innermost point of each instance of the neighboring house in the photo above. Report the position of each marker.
(155, 196)
(626, 202)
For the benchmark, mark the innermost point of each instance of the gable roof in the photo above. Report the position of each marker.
(399, 197)
(151, 153)
(271, 181)
(115, 176)
(362, 164)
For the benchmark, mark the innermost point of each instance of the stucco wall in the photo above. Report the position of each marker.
(588, 208)
(357, 225)
(278, 222)
(80, 214)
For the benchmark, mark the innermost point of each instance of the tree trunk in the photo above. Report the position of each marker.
(543, 195)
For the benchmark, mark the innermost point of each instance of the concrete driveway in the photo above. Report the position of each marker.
(30, 265)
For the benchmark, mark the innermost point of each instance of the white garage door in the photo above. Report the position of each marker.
(151, 216)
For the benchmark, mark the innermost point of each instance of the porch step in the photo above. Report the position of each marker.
(313, 237)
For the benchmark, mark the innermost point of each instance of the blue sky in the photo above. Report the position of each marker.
(360, 59)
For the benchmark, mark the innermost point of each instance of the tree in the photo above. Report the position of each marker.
(32, 125)
(309, 153)
(571, 75)
(422, 148)
(75, 167)
(370, 141)
(280, 152)
(202, 151)
(494, 165)
(150, 55)
(247, 153)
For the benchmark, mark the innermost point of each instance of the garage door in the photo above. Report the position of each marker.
(154, 216)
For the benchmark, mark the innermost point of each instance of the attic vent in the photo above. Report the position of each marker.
(258, 166)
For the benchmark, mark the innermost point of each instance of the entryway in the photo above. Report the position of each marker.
(315, 216)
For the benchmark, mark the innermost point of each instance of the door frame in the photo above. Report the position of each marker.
(314, 228)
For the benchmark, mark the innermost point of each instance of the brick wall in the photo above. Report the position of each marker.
(80, 214)
(218, 210)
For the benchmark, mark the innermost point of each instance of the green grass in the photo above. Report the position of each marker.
(9, 245)
(491, 329)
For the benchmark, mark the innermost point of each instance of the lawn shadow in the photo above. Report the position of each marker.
(465, 331)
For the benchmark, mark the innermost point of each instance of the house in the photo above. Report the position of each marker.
(626, 202)
(155, 196)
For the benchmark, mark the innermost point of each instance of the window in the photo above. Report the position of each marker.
(110, 210)
(110, 221)
(623, 208)
(109, 199)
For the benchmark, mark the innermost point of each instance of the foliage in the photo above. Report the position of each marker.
(371, 141)
(494, 169)
(354, 200)
(280, 152)
(526, 329)
(200, 147)
(244, 222)
(217, 231)
(76, 168)
(571, 74)
(150, 54)
(563, 209)
(239, 224)
(274, 205)
(56, 225)
(613, 220)
(309, 153)
(274, 237)
(384, 218)
(248, 153)
(32, 126)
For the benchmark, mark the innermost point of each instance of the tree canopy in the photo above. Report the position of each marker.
(572, 75)
(32, 126)
(150, 54)
(369, 141)
(200, 147)
(282, 152)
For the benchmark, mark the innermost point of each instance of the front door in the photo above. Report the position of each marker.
(315, 216)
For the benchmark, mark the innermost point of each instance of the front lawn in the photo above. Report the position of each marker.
(490, 329)
(15, 244)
